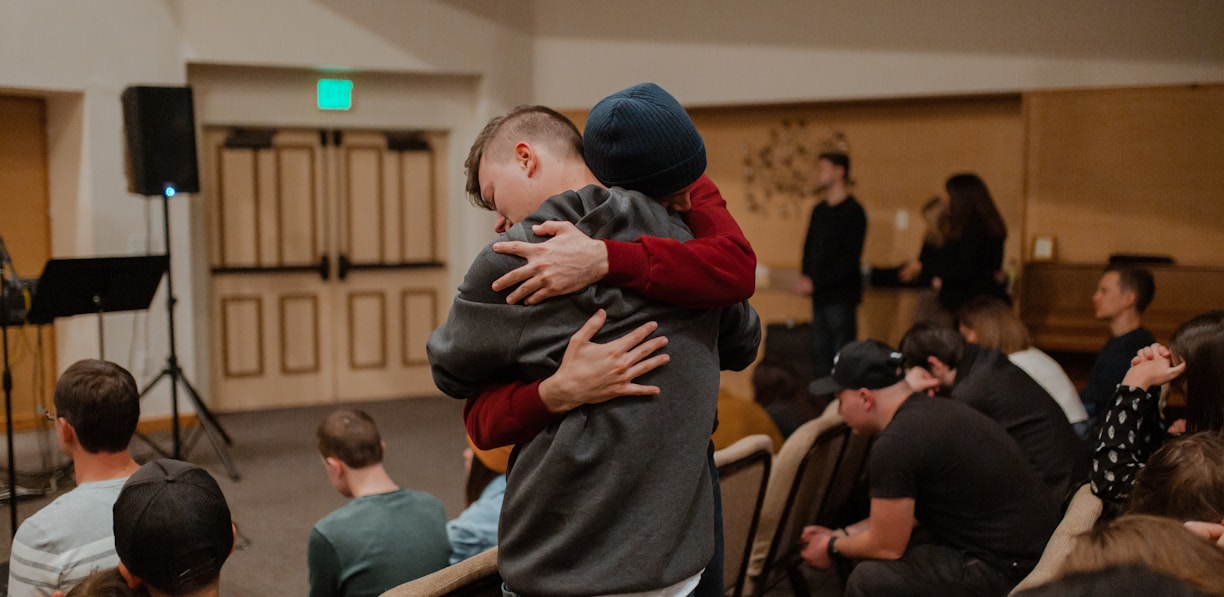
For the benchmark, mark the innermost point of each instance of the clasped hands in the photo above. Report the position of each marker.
(815, 541)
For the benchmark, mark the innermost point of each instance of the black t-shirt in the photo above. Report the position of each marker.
(989, 382)
(1110, 367)
(833, 250)
(970, 483)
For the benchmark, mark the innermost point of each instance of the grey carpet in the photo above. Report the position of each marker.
(283, 490)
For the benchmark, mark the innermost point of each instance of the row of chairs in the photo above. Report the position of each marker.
(767, 500)
(811, 480)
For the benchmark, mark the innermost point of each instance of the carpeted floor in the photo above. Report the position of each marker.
(282, 490)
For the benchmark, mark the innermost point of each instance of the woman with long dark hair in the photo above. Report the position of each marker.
(971, 259)
(1133, 427)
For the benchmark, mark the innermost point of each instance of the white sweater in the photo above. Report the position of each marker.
(1047, 372)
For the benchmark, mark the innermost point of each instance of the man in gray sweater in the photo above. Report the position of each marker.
(614, 498)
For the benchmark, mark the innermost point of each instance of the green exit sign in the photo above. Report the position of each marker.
(335, 94)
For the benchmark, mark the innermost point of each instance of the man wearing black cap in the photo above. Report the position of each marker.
(173, 530)
(939, 466)
(613, 498)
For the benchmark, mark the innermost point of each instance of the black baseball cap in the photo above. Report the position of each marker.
(868, 364)
(172, 526)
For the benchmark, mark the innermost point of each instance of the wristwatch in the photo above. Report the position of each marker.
(832, 548)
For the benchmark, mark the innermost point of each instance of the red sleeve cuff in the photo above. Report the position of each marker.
(506, 415)
(628, 265)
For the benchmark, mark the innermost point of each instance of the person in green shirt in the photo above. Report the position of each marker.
(385, 536)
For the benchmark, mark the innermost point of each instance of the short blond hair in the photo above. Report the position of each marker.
(540, 125)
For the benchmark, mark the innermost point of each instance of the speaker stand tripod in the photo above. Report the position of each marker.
(208, 423)
(8, 402)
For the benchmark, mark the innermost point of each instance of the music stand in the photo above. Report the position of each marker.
(96, 285)
(108, 284)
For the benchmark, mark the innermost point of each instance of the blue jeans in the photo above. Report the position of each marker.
(834, 325)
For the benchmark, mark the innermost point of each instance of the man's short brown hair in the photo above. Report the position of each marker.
(538, 124)
(100, 400)
(350, 435)
(1136, 279)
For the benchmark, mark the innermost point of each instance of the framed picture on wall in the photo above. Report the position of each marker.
(1044, 246)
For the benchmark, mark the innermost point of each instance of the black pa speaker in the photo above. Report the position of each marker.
(160, 132)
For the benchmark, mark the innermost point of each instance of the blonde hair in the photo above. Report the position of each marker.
(539, 124)
(1161, 544)
(995, 324)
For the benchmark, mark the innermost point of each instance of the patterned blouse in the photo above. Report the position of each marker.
(1131, 430)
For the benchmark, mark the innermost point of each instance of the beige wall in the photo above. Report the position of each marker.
(1137, 171)
(80, 54)
(718, 52)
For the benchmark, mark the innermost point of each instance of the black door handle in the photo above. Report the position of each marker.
(343, 266)
(324, 267)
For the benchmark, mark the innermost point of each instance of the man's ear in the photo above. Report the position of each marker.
(1129, 297)
(333, 463)
(234, 543)
(936, 366)
(868, 398)
(526, 158)
(133, 582)
(969, 334)
(65, 431)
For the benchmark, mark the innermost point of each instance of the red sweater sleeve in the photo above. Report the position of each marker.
(505, 415)
(715, 269)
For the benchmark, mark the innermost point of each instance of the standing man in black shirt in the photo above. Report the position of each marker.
(831, 256)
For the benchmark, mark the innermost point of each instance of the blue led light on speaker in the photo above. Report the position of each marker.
(168, 190)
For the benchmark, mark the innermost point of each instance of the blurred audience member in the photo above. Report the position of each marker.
(739, 418)
(475, 530)
(940, 359)
(1159, 543)
(1133, 427)
(1122, 295)
(1183, 480)
(108, 582)
(990, 322)
(1129, 580)
(784, 395)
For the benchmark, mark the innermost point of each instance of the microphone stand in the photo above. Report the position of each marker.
(8, 393)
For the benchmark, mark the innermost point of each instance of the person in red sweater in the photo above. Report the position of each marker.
(715, 269)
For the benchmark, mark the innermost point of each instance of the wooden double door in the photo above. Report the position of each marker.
(327, 272)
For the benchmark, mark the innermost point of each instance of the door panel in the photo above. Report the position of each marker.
(25, 225)
(390, 296)
(270, 340)
(327, 280)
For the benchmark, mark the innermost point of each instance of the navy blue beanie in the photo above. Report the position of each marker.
(641, 139)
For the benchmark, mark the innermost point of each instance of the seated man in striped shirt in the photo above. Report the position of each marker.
(97, 406)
